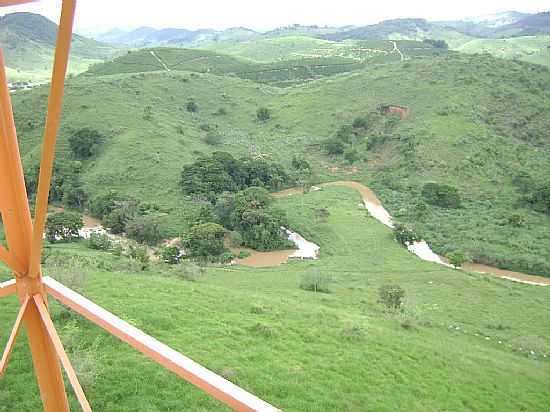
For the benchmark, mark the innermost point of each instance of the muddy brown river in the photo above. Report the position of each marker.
(376, 209)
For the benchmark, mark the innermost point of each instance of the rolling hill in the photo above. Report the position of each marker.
(529, 26)
(477, 123)
(29, 39)
(532, 49)
(458, 342)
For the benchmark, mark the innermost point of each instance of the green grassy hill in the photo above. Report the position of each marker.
(476, 123)
(29, 40)
(403, 29)
(177, 60)
(463, 342)
(532, 49)
(301, 47)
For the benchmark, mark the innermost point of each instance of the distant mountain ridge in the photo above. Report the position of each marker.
(149, 36)
(29, 41)
(496, 25)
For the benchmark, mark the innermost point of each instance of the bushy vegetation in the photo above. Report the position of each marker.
(99, 241)
(204, 241)
(263, 114)
(144, 229)
(441, 195)
(404, 234)
(539, 199)
(258, 222)
(457, 258)
(220, 172)
(315, 281)
(66, 187)
(347, 138)
(63, 227)
(391, 296)
(85, 142)
(438, 44)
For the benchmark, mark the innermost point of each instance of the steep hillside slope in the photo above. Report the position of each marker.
(476, 123)
(28, 41)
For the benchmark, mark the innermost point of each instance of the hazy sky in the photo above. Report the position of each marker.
(265, 14)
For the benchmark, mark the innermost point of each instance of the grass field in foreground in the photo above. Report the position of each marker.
(300, 350)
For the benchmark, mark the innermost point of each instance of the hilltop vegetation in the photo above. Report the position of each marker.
(29, 41)
(532, 49)
(201, 61)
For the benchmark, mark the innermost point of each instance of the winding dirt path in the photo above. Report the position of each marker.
(395, 48)
(160, 61)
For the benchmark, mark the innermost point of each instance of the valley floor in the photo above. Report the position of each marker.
(463, 342)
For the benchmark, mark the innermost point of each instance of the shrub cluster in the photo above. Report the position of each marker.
(126, 215)
(441, 195)
(220, 172)
(344, 140)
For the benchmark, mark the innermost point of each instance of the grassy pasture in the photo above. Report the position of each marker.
(300, 350)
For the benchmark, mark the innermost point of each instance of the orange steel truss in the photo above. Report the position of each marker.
(24, 240)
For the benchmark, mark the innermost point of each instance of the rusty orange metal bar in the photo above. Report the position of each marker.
(4, 3)
(71, 374)
(8, 288)
(13, 336)
(16, 215)
(10, 261)
(55, 101)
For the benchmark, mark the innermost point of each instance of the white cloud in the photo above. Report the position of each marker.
(260, 14)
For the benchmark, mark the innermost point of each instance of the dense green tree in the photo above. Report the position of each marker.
(144, 229)
(360, 123)
(391, 296)
(213, 138)
(221, 172)
(205, 214)
(84, 142)
(539, 199)
(123, 212)
(334, 146)
(63, 226)
(224, 207)
(263, 114)
(441, 195)
(438, 44)
(404, 234)
(351, 154)
(258, 223)
(103, 204)
(204, 241)
(171, 255)
(457, 258)
(299, 163)
(192, 107)
(74, 195)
